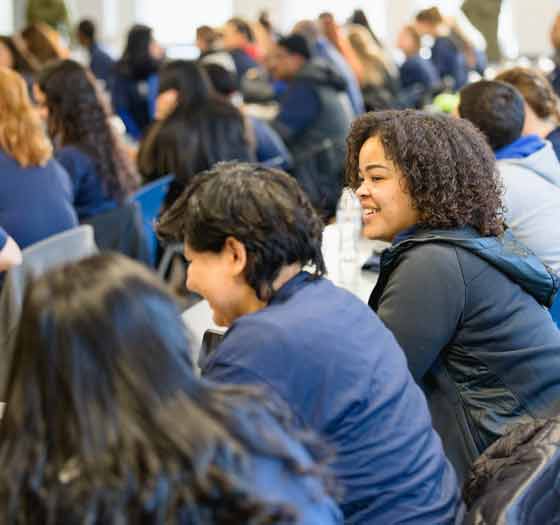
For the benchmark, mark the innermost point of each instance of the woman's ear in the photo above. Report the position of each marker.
(236, 255)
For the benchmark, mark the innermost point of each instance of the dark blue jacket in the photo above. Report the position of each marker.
(90, 195)
(469, 313)
(420, 75)
(319, 349)
(270, 148)
(102, 66)
(450, 61)
(35, 202)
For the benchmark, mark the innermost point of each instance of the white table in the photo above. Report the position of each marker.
(348, 275)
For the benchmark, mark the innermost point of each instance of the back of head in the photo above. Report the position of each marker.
(190, 80)
(309, 29)
(86, 28)
(105, 420)
(80, 117)
(263, 208)
(21, 133)
(43, 42)
(207, 36)
(22, 61)
(496, 108)
(243, 27)
(536, 90)
(225, 82)
(431, 16)
(137, 61)
(295, 44)
(446, 163)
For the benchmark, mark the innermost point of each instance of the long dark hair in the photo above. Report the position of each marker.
(136, 60)
(78, 116)
(203, 129)
(106, 423)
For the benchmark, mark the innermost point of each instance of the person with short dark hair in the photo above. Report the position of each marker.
(528, 165)
(249, 232)
(106, 422)
(194, 128)
(239, 40)
(542, 111)
(447, 55)
(100, 63)
(462, 296)
(313, 120)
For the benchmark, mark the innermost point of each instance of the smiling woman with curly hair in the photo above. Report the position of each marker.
(460, 294)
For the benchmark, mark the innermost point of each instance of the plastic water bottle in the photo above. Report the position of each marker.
(349, 223)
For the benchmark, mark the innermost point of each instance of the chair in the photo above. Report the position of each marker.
(150, 198)
(121, 230)
(58, 249)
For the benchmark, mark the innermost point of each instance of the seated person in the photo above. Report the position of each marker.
(447, 56)
(239, 40)
(194, 128)
(106, 422)
(89, 148)
(100, 63)
(463, 298)
(321, 48)
(419, 77)
(313, 121)
(527, 164)
(35, 190)
(542, 113)
(136, 82)
(269, 147)
(249, 232)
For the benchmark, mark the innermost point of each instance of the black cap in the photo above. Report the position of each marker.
(296, 44)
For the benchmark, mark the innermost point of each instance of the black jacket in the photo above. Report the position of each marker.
(467, 310)
(515, 482)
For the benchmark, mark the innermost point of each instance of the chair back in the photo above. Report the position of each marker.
(38, 258)
(150, 199)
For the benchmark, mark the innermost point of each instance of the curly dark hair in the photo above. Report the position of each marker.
(263, 208)
(79, 116)
(107, 423)
(448, 166)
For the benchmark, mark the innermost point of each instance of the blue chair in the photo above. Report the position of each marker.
(555, 310)
(150, 199)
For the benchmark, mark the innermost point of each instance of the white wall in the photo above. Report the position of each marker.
(6, 17)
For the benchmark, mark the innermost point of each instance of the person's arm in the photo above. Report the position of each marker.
(10, 254)
(423, 303)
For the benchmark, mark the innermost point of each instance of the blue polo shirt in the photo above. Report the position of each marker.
(322, 351)
(89, 193)
(36, 201)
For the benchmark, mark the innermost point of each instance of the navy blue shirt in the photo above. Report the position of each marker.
(35, 202)
(89, 194)
(243, 62)
(417, 71)
(299, 108)
(450, 61)
(102, 66)
(324, 352)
